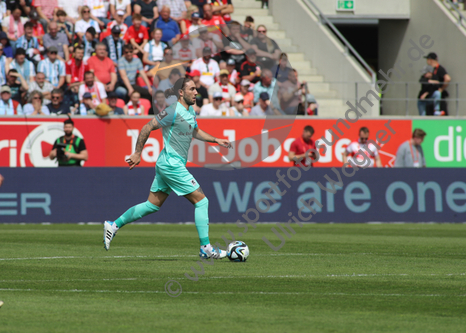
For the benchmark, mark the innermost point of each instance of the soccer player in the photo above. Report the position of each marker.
(179, 126)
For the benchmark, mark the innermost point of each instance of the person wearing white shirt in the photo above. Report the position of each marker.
(96, 89)
(121, 5)
(207, 39)
(223, 86)
(82, 25)
(35, 107)
(71, 8)
(217, 108)
(208, 67)
(183, 50)
(153, 51)
(98, 11)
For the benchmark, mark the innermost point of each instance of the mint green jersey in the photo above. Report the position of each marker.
(178, 125)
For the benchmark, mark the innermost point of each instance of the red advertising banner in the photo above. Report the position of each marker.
(256, 142)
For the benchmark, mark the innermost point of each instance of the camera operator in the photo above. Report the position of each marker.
(69, 149)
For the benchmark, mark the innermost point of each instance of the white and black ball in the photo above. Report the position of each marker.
(238, 251)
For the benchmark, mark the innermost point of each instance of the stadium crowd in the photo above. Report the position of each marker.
(85, 57)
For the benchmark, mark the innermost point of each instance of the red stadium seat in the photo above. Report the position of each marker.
(120, 103)
(146, 103)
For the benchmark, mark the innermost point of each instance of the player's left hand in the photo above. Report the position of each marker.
(224, 143)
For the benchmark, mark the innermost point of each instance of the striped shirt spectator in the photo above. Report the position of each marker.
(131, 68)
(24, 67)
(2, 66)
(53, 68)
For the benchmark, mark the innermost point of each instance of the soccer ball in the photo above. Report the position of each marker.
(238, 251)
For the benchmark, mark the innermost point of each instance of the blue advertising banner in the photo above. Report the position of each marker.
(68, 195)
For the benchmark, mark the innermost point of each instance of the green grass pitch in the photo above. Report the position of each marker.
(326, 278)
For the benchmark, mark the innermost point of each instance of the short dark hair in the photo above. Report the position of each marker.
(159, 92)
(61, 13)
(364, 130)
(419, 133)
(57, 91)
(128, 47)
(309, 128)
(20, 51)
(249, 19)
(29, 25)
(79, 47)
(168, 48)
(88, 72)
(137, 17)
(68, 121)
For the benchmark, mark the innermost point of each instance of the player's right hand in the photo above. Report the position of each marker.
(133, 160)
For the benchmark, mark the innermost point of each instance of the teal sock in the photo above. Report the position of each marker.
(201, 219)
(136, 212)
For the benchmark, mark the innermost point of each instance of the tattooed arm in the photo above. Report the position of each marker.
(135, 158)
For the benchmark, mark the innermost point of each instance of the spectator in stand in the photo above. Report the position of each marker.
(149, 11)
(290, 94)
(160, 103)
(3, 10)
(7, 49)
(217, 108)
(46, 10)
(137, 35)
(207, 39)
(233, 75)
(235, 45)
(163, 74)
(264, 107)
(184, 51)
(35, 106)
(238, 107)
(427, 89)
(249, 69)
(23, 66)
(86, 22)
(8, 106)
(128, 67)
(440, 79)
(369, 156)
(112, 98)
(75, 150)
(312, 106)
(248, 31)
(89, 43)
(300, 154)
(86, 106)
(248, 96)
(114, 45)
(3, 63)
(153, 51)
(208, 68)
(192, 22)
(103, 68)
(75, 69)
(64, 26)
(267, 49)
(177, 9)
(29, 44)
(214, 20)
(202, 97)
(98, 11)
(96, 89)
(134, 106)
(24, 6)
(223, 85)
(266, 84)
(53, 68)
(13, 25)
(410, 153)
(71, 7)
(121, 8)
(166, 84)
(38, 30)
(198, 3)
(223, 8)
(282, 70)
(170, 28)
(42, 86)
(59, 40)
(17, 84)
(119, 21)
(58, 106)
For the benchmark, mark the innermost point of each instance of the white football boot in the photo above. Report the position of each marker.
(208, 251)
(108, 234)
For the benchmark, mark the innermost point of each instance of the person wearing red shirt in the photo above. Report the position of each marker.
(214, 20)
(103, 67)
(37, 29)
(223, 8)
(299, 153)
(76, 67)
(137, 35)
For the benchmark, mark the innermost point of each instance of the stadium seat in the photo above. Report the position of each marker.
(146, 103)
(120, 103)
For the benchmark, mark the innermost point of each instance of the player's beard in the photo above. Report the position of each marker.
(189, 102)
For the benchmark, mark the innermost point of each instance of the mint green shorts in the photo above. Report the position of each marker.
(173, 177)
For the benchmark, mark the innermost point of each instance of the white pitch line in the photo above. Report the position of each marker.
(230, 293)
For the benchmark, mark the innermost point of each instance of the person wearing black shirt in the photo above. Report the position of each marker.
(58, 106)
(440, 79)
(234, 46)
(148, 9)
(267, 49)
(69, 149)
(426, 92)
(249, 69)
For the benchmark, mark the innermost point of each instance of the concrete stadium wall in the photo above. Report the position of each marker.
(322, 48)
(70, 195)
(368, 8)
(427, 17)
